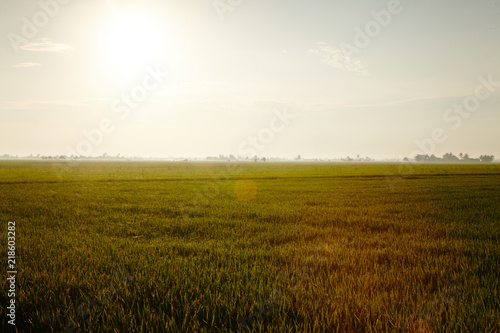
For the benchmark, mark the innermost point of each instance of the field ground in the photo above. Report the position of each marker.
(191, 247)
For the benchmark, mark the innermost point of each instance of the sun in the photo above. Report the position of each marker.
(132, 39)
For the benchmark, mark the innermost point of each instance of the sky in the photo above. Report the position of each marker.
(320, 79)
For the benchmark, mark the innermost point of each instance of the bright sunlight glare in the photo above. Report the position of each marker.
(132, 40)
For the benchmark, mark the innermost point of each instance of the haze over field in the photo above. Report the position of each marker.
(367, 78)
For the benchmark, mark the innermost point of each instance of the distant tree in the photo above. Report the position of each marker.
(486, 158)
(449, 157)
(421, 158)
(298, 158)
(433, 158)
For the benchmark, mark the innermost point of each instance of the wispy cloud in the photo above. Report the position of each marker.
(26, 64)
(400, 105)
(337, 59)
(32, 105)
(45, 45)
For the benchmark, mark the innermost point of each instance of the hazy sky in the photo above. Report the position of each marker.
(277, 78)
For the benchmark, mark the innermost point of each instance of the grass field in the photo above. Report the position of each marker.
(192, 247)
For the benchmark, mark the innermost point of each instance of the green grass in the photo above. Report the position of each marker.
(347, 247)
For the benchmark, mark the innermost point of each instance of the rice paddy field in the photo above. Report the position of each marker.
(251, 247)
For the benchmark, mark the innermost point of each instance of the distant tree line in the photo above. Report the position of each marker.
(231, 157)
(356, 159)
(450, 158)
(65, 157)
(447, 158)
